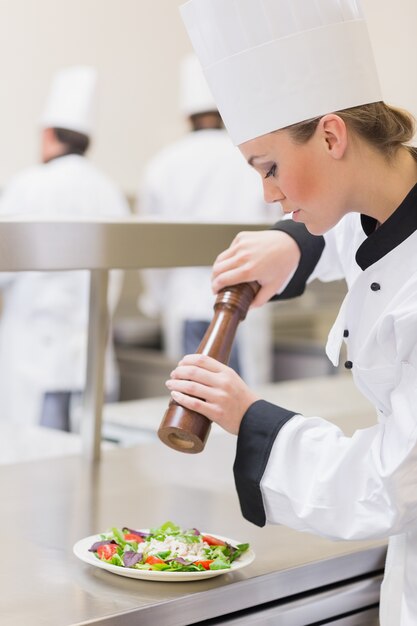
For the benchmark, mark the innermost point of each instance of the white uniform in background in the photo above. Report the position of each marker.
(203, 178)
(43, 326)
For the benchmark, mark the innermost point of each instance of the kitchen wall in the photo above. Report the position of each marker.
(137, 46)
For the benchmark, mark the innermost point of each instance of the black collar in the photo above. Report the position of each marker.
(396, 229)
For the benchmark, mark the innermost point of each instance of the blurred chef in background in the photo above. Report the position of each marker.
(43, 327)
(202, 178)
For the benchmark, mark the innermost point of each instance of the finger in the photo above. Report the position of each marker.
(226, 254)
(192, 388)
(193, 373)
(234, 247)
(225, 265)
(232, 277)
(259, 300)
(263, 296)
(229, 265)
(202, 361)
(195, 404)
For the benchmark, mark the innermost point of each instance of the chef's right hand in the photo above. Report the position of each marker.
(269, 257)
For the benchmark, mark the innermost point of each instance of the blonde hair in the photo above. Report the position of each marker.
(385, 127)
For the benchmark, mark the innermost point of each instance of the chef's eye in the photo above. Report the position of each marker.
(272, 171)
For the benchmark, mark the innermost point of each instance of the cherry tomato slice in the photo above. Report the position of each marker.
(213, 541)
(133, 537)
(151, 560)
(106, 552)
(205, 564)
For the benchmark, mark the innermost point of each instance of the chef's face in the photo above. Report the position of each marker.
(308, 179)
(51, 147)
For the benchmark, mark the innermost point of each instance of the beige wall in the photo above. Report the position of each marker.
(393, 30)
(137, 45)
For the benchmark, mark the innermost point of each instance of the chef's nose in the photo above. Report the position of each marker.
(272, 193)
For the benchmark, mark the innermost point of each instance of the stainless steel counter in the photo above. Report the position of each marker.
(28, 443)
(48, 505)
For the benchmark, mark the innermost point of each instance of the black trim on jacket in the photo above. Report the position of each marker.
(258, 430)
(384, 238)
(311, 248)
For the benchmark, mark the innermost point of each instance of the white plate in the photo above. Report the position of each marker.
(82, 546)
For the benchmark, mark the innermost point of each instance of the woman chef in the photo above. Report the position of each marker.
(297, 88)
(44, 322)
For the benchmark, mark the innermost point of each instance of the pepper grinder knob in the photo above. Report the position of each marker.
(185, 430)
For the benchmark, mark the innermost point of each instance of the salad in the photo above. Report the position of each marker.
(167, 548)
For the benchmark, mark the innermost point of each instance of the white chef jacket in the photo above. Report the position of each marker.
(303, 471)
(203, 178)
(43, 325)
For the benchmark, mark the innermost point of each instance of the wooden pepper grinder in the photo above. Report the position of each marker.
(185, 430)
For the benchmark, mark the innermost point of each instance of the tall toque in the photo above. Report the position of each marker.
(273, 63)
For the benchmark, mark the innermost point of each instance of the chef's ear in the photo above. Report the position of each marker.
(334, 133)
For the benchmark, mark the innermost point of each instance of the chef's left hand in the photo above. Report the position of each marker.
(202, 384)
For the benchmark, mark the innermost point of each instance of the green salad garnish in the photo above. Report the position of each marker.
(167, 548)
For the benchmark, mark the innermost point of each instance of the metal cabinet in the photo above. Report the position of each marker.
(351, 604)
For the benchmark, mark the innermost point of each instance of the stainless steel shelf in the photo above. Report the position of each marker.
(99, 246)
(127, 244)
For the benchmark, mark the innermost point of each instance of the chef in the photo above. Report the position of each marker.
(43, 326)
(202, 178)
(297, 87)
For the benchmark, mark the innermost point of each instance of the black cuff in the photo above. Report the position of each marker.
(258, 430)
(311, 248)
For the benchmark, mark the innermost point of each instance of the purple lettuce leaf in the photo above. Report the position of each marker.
(179, 560)
(96, 545)
(131, 558)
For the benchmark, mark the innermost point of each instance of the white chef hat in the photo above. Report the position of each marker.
(195, 94)
(273, 63)
(71, 103)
